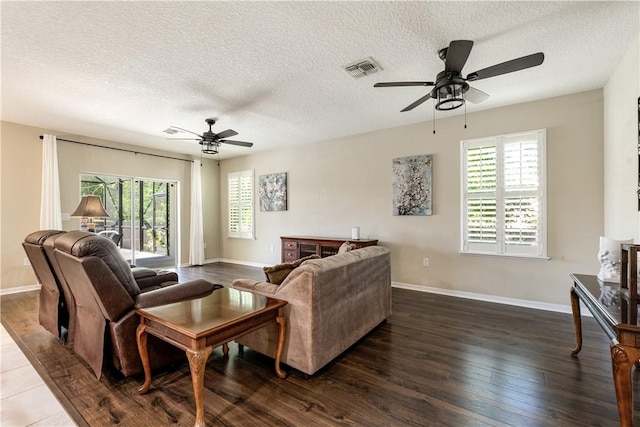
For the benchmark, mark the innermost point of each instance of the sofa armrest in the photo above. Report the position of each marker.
(176, 293)
(260, 288)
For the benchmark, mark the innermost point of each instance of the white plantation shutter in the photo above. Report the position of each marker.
(503, 197)
(521, 194)
(481, 203)
(241, 204)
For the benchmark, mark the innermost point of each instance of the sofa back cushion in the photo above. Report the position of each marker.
(277, 273)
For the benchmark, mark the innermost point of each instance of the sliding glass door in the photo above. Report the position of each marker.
(155, 203)
(142, 217)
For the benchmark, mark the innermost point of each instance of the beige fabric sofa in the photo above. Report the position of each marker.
(333, 302)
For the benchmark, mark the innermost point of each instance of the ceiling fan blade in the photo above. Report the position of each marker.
(518, 64)
(475, 96)
(226, 133)
(397, 84)
(185, 139)
(238, 143)
(418, 102)
(457, 55)
(184, 130)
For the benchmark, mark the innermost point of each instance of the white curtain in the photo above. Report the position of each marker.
(50, 211)
(196, 234)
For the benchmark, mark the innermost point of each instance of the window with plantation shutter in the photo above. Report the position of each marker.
(503, 195)
(240, 204)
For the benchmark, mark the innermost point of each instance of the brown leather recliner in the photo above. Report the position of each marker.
(57, 309)
(106, 295)
(57, 312)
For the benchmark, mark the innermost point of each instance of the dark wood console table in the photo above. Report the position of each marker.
(296, 247)
(617, 314)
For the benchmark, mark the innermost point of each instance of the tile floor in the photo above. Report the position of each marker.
(25, 400)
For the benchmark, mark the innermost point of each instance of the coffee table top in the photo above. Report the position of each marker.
(200, 317)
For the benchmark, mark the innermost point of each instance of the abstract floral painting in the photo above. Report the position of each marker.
(272, 191)
(412, 185)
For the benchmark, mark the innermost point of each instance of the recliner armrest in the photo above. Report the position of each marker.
(142, 272)
(158, 280)
(180, 292)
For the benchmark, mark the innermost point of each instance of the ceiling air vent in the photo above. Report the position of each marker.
(362, 68)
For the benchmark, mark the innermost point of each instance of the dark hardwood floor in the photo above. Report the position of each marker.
(437, 361)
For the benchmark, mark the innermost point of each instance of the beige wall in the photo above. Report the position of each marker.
(21, 182)
(337, 184)
(621, 219)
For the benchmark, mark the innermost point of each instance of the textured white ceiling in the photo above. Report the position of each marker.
(272, 71)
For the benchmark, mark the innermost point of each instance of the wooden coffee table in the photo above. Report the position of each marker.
(197, 326)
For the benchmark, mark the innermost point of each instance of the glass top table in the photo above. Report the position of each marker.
(199, 325)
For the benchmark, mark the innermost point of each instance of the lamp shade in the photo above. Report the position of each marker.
(90, 207)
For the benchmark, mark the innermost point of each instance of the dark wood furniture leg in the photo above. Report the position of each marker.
(577, 321)
(281, 321)
(197, 364)
(623, 359)
(141, 339)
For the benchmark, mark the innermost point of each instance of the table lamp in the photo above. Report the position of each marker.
(90, 207)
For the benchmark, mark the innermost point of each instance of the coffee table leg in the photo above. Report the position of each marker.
(141, 339)
(280, 319)
(197, 363)
(577, 321)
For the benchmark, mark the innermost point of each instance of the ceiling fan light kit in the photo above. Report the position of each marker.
(209, 140)
(449, 97)
(209, 147)
(451, 90)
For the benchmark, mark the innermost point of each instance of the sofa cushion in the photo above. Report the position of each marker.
(277, 273)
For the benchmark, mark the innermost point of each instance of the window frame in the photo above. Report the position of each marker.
(501, 194)
(241, 204)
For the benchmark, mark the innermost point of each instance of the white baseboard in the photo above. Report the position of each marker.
(19, 289)
(250, 264)
(206, 261)
(488, 298)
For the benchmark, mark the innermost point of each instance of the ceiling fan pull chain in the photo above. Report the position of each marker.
(434, 116)
(464, 101)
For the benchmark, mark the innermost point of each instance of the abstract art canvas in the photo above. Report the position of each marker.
(272, 191)
(412, 185)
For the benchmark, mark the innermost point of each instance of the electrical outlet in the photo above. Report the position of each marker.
(205, 245)
(271, 248)
(425, 262)
(26, 262)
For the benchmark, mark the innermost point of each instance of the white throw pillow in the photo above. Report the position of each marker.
(609, 256)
